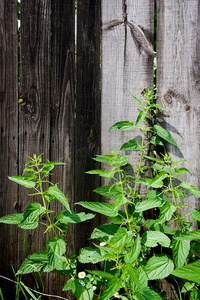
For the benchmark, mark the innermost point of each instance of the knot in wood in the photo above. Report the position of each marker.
(167, 98)
(187, 108)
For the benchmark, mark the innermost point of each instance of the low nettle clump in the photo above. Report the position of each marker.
(135, 252)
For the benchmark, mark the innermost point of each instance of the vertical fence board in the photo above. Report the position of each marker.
(62, 115)
(88, 126)
(9, 137)
(34, 116)
(125, 67)
(178, 80)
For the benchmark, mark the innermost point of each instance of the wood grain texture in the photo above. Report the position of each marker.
(178, 67)
(62, 115)
(88, 127)
(125, 67)
(9, 137)
(34, 115)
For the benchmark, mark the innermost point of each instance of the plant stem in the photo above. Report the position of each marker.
(141, 156)
(179, 219)
(122, 188)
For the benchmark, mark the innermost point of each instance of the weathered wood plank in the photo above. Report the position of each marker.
(34, 115)
(125, 67)
(87, 142)
(178, 66)
(9, 137)
(62, 115)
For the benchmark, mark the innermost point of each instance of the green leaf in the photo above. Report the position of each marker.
(89, 255)
(148, 204)
(194, 295)
(159, 107)
(111, 191)
(155, 140)
(119, 240)
(181, 160)
(113, 159)
(120, 201)
(56, 248)
(166, 211)
(66, 266)
(30, 177)
(15, 219)
(187, 287)
(70, 285)
(146, 294)
(131, 145)
(123, 125)
(142, 277)
(154, 159)
(113, 287)
(106, 209)
(54, 191)
(156, 225)
(103, 173)
(190, 272)
(158, 167)
(141, 116)
(152, 195)
(158, 179)
(181, 171)
(34, 263)
(23, 181)
(180, 251)
(158, 267)
(100, 274)
(26, 224)
(135, 98)
(133, 252)
(195, 234)
(119, 219)
(28, 169)
(104, 232)
(132, 272)
(64, 217)
(33, 210)
(31, 216)
(193, 189)
(50, 166)
(195, 246)
(77, 288)
(48, 197)
(153, 238)
(195, 213)
(53, 163)
(164, 134)
(148, 182)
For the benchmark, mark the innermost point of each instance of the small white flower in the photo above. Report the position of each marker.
(102, 244)
(81, 275)
(116, 295)
(94, 287)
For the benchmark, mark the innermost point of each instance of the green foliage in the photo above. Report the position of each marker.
(134, 252)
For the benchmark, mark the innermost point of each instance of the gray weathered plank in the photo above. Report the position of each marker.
(125, 67)
(178, 66)
(88, 127)
(9, 137)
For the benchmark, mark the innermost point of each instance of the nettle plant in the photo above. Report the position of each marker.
(133, 253)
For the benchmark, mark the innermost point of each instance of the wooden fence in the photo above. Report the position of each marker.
(72, 95)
